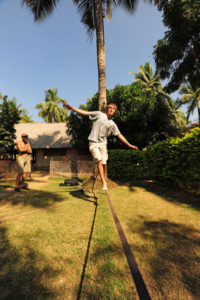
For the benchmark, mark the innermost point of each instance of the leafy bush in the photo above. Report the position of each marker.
(126, 164)
(175, 161)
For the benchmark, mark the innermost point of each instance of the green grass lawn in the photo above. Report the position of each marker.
(63, 244)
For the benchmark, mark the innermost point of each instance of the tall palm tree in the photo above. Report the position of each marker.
(191, 96)
(92, 14)
(50, 110)
(150, 82)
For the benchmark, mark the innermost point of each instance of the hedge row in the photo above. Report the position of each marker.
(174, 161)
(127, 164)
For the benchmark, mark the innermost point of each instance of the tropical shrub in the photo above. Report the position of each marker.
(126, 164)
(175, 161)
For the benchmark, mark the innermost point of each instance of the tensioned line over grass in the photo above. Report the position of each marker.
(73, 247)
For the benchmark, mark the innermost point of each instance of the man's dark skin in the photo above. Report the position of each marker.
(24, 149)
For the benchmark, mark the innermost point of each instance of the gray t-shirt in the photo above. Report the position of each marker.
(102, 127)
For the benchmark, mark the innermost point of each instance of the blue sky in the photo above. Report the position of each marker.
(58, 53)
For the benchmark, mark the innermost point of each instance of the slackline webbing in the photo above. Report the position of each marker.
(137, 277)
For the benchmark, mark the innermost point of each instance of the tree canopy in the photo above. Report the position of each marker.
(142, 120)
(177, 54)
(9, 116)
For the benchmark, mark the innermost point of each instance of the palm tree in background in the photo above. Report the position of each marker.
(191, 96)
(92, 13)
(26, 118)
(23, 113)
(150, 82)
(50, 110)
(15, 107)
(179, 115)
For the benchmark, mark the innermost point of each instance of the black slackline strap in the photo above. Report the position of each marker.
(137, 277)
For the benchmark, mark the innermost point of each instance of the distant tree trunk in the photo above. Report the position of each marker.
(52, 118)
(198, 104)
(101, 61)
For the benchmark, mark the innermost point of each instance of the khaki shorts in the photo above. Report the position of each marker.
(99, 152)
(24, 164)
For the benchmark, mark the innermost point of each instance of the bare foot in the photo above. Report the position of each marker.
(104, 187)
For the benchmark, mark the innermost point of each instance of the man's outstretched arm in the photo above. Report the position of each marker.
(124, 140)
(77, 110)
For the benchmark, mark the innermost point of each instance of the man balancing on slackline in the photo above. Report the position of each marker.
(102, 128)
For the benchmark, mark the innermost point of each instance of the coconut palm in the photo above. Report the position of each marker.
(50, 110)
(23, 113)
(150, 82)
(26, 118)
(179, 115)
(92, 14)
(191, 96)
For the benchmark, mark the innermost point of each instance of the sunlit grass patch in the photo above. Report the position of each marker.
(59, 252)
(67, 245)
(164, 234)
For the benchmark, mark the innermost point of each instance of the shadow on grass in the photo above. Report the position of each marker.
(21, 274)
(87, 252)
(168, 193)
(110, 281)
(36, 198)
(173, 260)
(84, 196)
(5, 186)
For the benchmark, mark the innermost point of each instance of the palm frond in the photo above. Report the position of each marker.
(86, 11)
(129, 5)
(40, 105)
(148, 70)
(191, 109)
(142, 72)
(169, 99)
(41, 9)
(186, 98)
(109, 9)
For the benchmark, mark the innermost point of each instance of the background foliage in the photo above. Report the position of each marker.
(177, 54)
(9, 116)
(142, 119)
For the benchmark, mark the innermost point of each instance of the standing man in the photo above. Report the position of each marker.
(24, 161)
(102, 128)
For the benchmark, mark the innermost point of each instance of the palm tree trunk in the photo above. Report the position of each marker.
(101, 61)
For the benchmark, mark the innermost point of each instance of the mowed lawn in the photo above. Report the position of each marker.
(63, 244)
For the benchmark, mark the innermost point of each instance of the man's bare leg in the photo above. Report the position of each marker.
(105, 171)
(101, 170)
(23, 179)
(17, 180)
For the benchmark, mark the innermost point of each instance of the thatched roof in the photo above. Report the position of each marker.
(44, 135)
